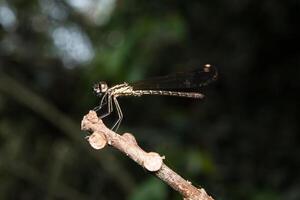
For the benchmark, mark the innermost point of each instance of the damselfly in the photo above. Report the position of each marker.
(180, 84)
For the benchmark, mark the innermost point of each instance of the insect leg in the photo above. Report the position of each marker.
(109, 107)
(102, 103)
(120, 115)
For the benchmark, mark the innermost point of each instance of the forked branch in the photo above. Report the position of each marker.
(151, 161)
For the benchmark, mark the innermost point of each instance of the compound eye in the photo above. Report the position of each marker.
(97, 88)
(103, 87)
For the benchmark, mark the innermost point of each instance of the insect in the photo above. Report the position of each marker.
(180, 84)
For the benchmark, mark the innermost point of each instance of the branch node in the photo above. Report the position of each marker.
(88, 121)
(97, 140)
(153, 161)
(92, 117)
(130, 138)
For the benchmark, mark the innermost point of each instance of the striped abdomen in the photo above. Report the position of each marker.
(169, 93)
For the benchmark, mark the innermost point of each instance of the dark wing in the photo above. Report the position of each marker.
(180, 81)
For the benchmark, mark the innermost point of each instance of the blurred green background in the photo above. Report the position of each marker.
(241, 142)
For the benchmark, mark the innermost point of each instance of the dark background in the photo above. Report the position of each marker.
(241, 142)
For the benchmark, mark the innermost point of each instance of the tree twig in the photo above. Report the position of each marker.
(153, 162)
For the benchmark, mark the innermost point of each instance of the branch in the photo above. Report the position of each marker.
(151, 161)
